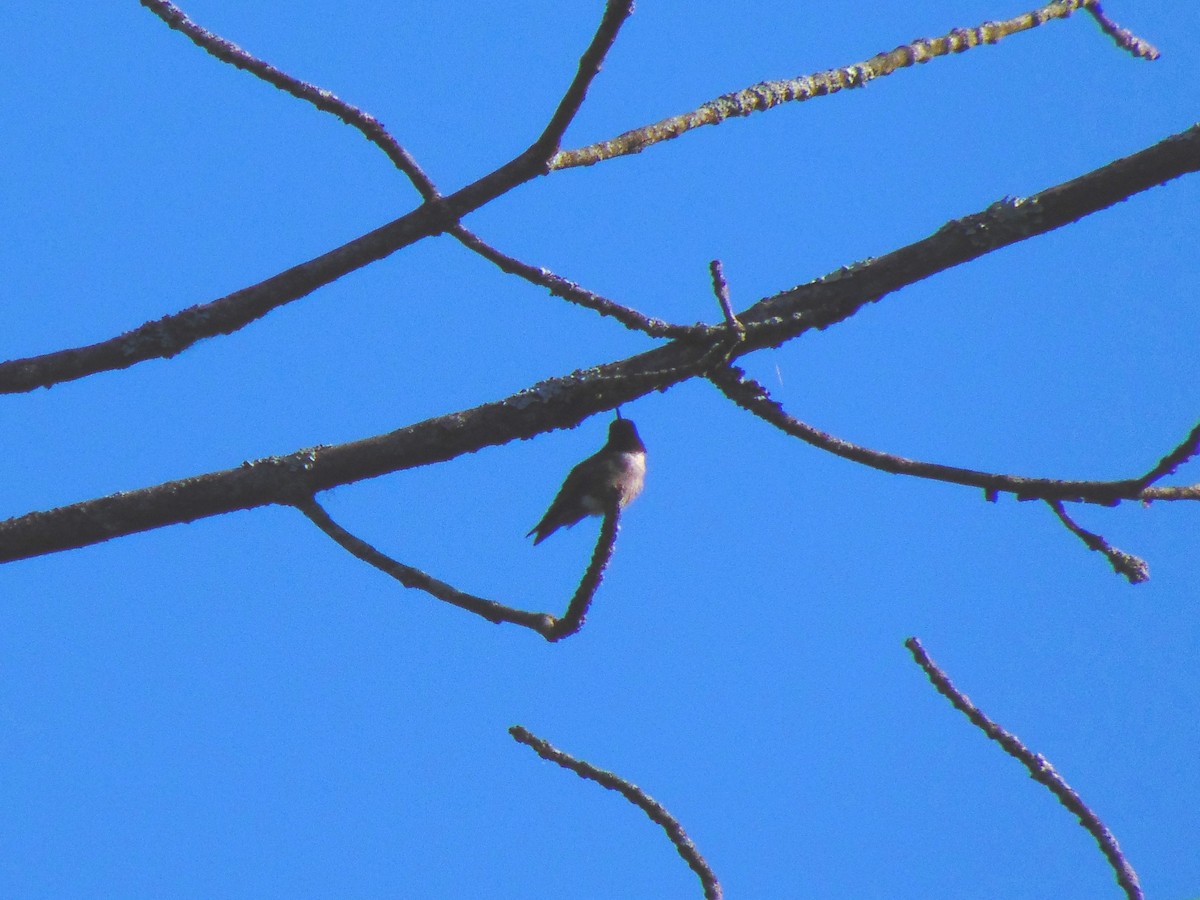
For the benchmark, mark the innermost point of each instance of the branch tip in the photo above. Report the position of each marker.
(1135, 569)
(656, 812)
(721, 289)
(1038, 766)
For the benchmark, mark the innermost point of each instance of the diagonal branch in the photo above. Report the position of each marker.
(572, 292)
(656, 811)
(753, 397)
(1040, 770)
(769, 94)
(566, 401)
(615, 14)
(226, 51)
(175, 333)
(577, 609)
(1125, 38)
(1134, 568)
(546, 625)
(1173, 460)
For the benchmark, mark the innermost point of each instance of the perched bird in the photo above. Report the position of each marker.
(616, 472)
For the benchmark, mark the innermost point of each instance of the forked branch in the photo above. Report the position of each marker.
(753, 397)
(175, 333)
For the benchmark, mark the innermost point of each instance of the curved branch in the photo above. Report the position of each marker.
(652, 808)
(228, 52)
(753, 397)
(1039, 768)
(566, 401)
(551, 628)
(769, 94)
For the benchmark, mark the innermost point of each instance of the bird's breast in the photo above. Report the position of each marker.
(631, 477)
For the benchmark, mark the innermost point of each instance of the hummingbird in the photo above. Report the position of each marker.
(617, 472)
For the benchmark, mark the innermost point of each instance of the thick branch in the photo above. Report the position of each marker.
(769, 94)
(1039, 768)
(565, 402)
(656, 811)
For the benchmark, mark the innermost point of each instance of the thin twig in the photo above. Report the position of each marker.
(753, 397)
(1125, 39)
(546, 625)
(1173, 460)
(1134, 568)
(721, 289)
(1039, 767)
(570, 291)
(226, 51)
(769, 94)
(416, 579)
(656, 811)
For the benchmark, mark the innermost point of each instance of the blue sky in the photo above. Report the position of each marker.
(237, 708)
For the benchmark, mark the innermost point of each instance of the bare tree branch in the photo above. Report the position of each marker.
(768, 94)
(721, 289)
(615, 14)
(173, 334)
(549, 627)
(577, 610)
(1040, 769)
(572, 292)
(1173, 460)
(1134, 568)
(752, 396)
(566, 401)
(415, 578)
(656, 811)
(226, 51)
(1125, 39)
